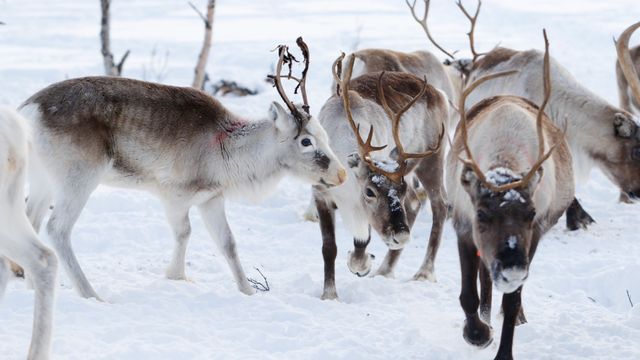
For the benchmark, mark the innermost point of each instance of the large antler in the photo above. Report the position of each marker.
(542, 156)
(365, 146)
(395, 118)
(472, 20)
(286, 58)
(624, 58)
(423, 22)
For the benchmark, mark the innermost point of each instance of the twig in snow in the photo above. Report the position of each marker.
(592, 299)
(629, 297)
(256, 284)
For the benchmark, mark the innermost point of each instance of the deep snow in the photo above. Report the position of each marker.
(576, 297)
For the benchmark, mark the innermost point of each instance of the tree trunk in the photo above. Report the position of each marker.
(110, 68)
(199, 78)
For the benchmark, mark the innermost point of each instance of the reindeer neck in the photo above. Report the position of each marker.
(587, 117)
(246, 156)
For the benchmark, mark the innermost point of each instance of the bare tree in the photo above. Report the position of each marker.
(199, 78)
(110, 67)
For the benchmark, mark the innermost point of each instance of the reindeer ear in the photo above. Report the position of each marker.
(624, 125)
(360, 168)
(353, 160)
(468, 179)
(394, 154)
(535, 181)
(283, 121)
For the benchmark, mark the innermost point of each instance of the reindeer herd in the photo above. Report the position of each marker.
(515, 127)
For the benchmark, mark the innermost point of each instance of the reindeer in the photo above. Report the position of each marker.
(177, 143)
(19, 242)
(629, 100)
(504, 200)
(443, 76)
(408, 112)
(598, 133)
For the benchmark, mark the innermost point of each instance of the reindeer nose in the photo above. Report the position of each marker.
(342, 175)
(398, 240)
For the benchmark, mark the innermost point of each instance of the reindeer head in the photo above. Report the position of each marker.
(384, 191)
(623, 166)
(302, 139)
(503, 200)
(503, 223)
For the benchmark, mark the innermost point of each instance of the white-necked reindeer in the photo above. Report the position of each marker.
(18, 241)
(178, 143)
(598, 133)
(407, 112)
(629, 98)
(505, 195)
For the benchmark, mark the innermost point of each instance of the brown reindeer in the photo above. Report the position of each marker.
(404, 111)
(509, 181)
(599, 134)
(178, 143)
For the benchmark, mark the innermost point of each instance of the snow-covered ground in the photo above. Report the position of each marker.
(576, 299)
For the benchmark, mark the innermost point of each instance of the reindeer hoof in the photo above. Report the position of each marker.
(388, 273)
(481, 337)
(425, 276)
(329, 295)
(311, 214)
(577, 217)
(17, 270)
(178, 276)
(521, 319)
(360, 266)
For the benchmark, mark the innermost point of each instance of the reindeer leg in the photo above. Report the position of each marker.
(311, 214)
(326, 217)
(577, 217)
(511, 306)
(359, 260)
(475, 331)
(433, 185)
(389, 263)
(215, 220)
(40, 265)
(69, 202)
(486, 287)
(178, 218)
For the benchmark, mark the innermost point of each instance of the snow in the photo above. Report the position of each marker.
(576, 295)
(500, 176)
(513, 195)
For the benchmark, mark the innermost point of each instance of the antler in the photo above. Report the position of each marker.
(542, 156)
(472, 20)
(624, 58)
(286, 58)
(395, 118)
(423, 22)
(365, 146)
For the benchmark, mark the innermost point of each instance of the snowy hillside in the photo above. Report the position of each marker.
(577, 298)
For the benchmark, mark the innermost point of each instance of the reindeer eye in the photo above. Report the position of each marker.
(306, 142)
(370, 193)
(531, 215)
(635, 153)
(483, 217)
